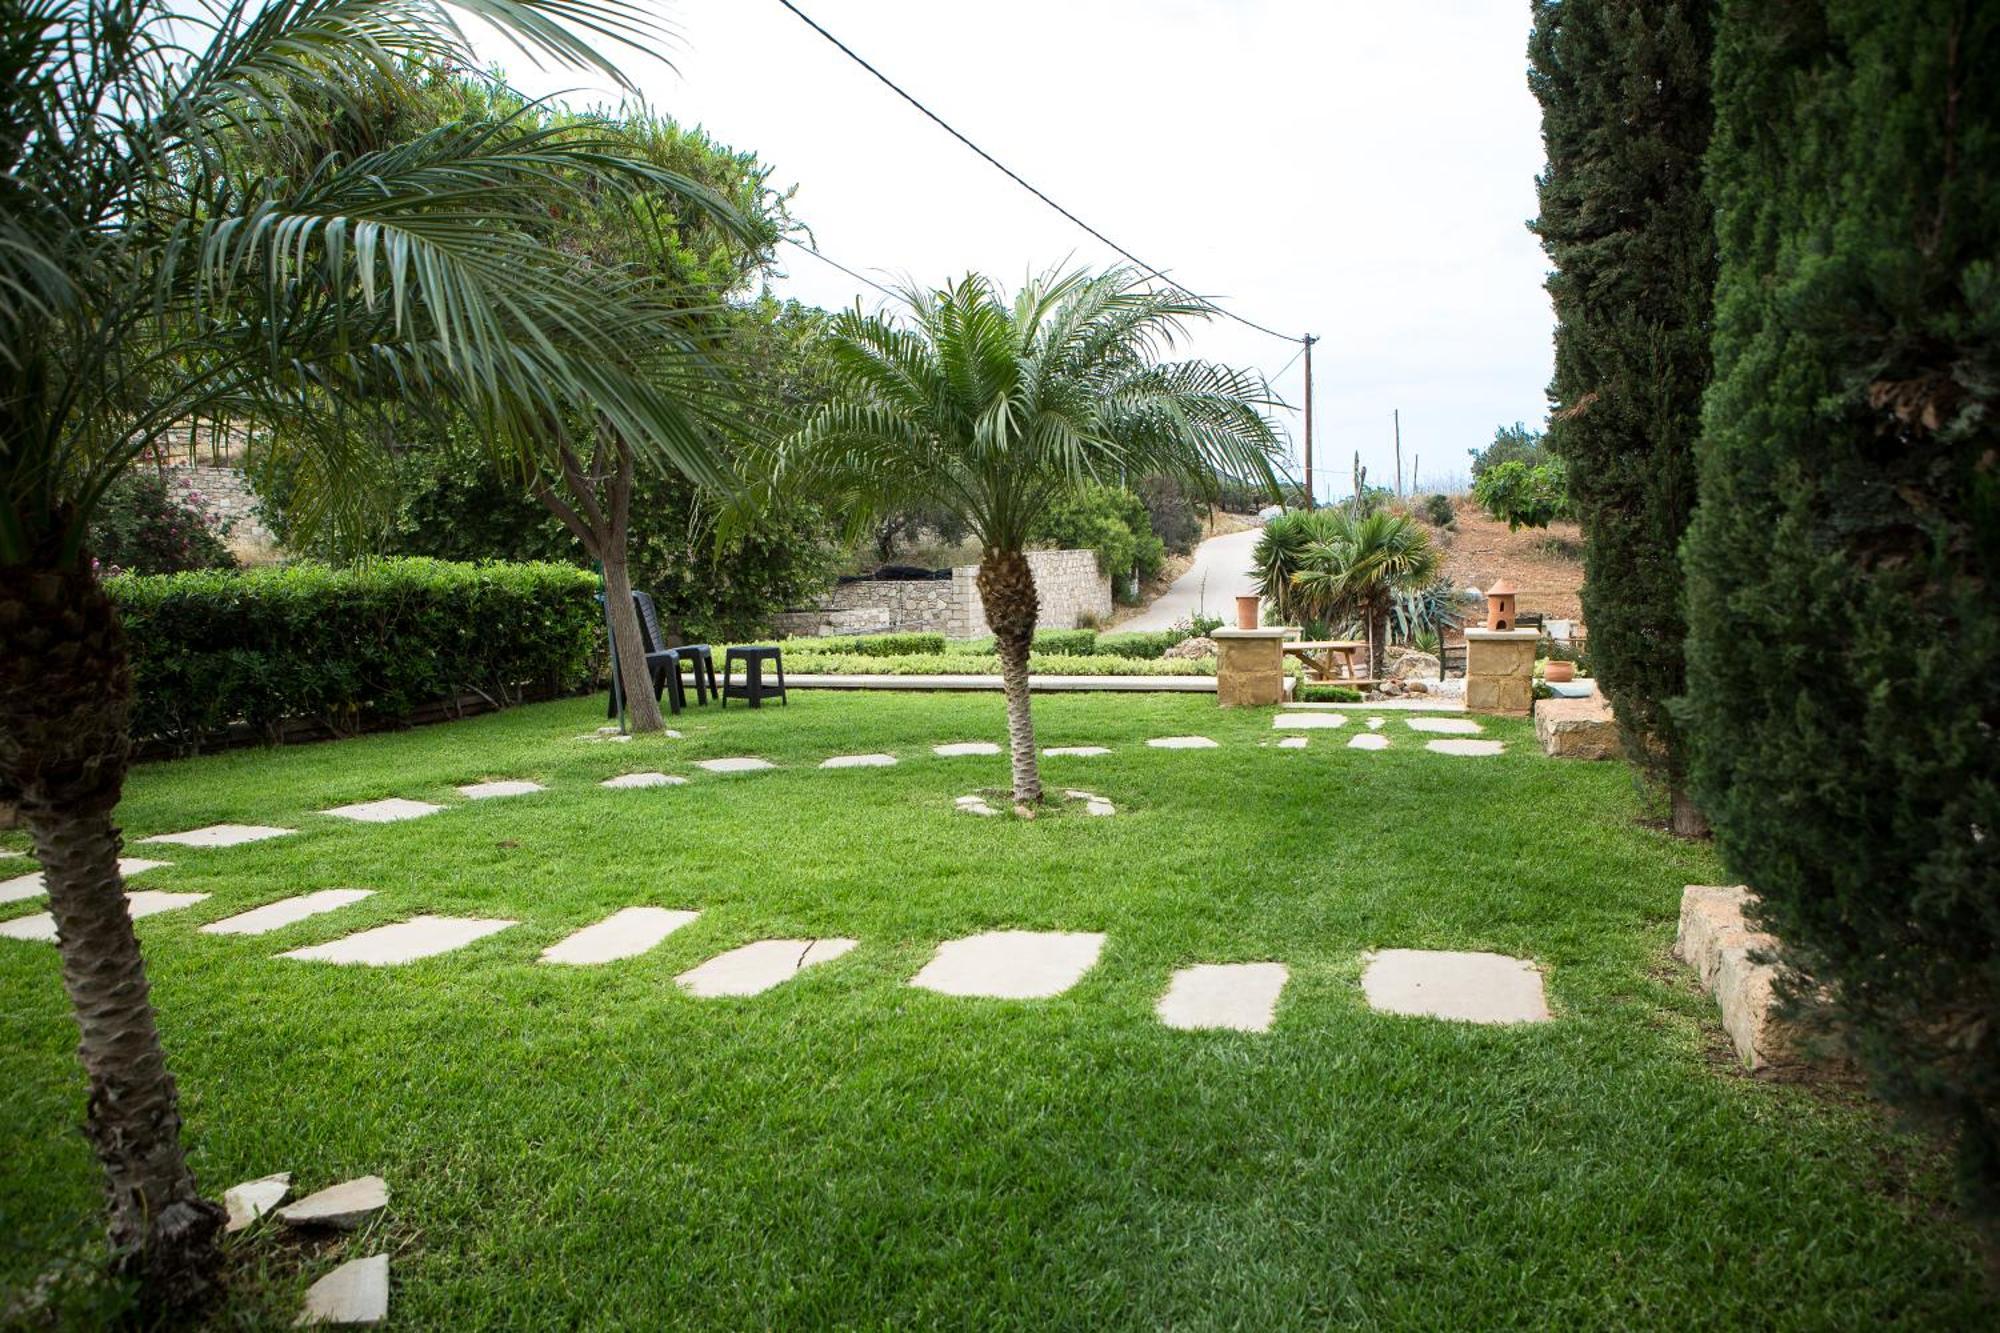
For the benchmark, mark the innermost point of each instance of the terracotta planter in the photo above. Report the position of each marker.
(1557, 672)
(1246, 612)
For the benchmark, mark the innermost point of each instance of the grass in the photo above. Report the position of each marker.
(589, 1147)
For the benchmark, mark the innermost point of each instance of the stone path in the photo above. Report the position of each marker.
(625, 780)
(486, 791)
(740, 764)
(1308, 721)
(342, 1207)
(1011, 964)
(389, 811)
(859, 761)
(1464, 747)
(957, 749)
(1294, 743)
(1369, 740)
(138, 902)
(221, 835)
(755, 968)
(1467, 987)
(1181, 743)
(626, 933)
(357, 1292)
(974, 805)
(286, 911)
(1093, 803)
(402, 942)
(1239, 996)
(23, 887)
(252, 1199)
(1080, 751)
(1444, 726)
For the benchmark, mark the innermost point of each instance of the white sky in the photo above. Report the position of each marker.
(1358, 170)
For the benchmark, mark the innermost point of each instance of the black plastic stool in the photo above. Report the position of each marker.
(753, 690)
(703, 658)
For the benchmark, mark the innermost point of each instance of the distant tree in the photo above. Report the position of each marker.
(1522, 496)
(1173, 516)
(1511, 444)
(1108, 520)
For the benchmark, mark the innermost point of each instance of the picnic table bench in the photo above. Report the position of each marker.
(1330, 659)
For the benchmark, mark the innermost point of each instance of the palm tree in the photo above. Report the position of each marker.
(992, 410)
(1356, 567)
(155, 270)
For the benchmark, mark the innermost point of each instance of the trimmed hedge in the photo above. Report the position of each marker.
(347, 649)
(976, 664)
(1145, 645)
(868, 645)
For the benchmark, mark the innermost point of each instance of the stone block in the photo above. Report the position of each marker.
(1724, 949)
(1711, 917)
(1512, 696)
(1577, 728)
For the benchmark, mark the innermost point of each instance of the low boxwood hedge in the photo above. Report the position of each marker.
(976, 664)
(867, 645)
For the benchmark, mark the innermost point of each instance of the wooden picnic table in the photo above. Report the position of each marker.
(1329, 659)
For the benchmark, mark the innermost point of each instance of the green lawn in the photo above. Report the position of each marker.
(590, 1147)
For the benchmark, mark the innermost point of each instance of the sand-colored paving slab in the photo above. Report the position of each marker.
(1078, 751)
(403, 941)
(974, 805)
(1181, 743)
(737, 764)
(1240, 996)
(389, 811)
(1376, 723)
(1011, 964)
(138, 902)
(1369, 740)
(252, 1199)
(31, 885)
(1464, 747)
(221, 835)
(755, 968)
(486, 791)
(625, 780)
(626, 933)
(957, 748)
(1294, 743)
(341, 1207)
(357, 1292)
(1093, 804)
(284, 912)
(1444, 726)
(1468, 987)
(1308, 721)
(859, 761)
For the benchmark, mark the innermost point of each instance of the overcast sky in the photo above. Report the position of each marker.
(1361, 171)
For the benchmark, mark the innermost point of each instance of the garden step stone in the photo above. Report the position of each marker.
(1093, 803)
(357, 1292)
(958, 748)
(1308, 721)
(1444, 726)
(1011, 964)
(757, 967)
(30, 885)
(1369, 740)
(859, 761)
(139, 903)
(1239, 996)
(388, 811)
(402, 942)
(974, 805)
(736, 764)
(486, 791)
(626, 933)
(1181, 743)
(1577, 728)
(1376, 723)
(1464, 747)
(252, 1199)
(342, 1207)
(624, 780)
(286, 911)
(1294, 743)
(1467, 987)
(221, 835)
(1079, 751)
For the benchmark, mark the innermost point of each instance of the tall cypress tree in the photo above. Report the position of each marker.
(1844, 563)
(1624, 88)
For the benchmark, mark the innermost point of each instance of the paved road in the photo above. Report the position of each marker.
(1221, 572)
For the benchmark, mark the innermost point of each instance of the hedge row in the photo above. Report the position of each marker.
(347, 649)
(868, 645)
(970, 664)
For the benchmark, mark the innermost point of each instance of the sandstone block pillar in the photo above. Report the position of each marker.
(1500, 670)
(1250, 666)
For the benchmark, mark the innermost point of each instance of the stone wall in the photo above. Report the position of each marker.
(225, 491)
(1070, 585)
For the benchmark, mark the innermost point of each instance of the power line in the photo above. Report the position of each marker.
(1151, 270)
(829, 259)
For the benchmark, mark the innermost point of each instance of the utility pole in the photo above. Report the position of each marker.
(1416, 465)
(1397, 415)
(1310, 340)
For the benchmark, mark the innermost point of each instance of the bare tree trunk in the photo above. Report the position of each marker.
(1378, 646)
(1007, 592)
(1688, 820)
(632, 672)
(65, 688)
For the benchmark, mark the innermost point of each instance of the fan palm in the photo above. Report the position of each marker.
(992, 409)
(156, 270)
(1357, 566)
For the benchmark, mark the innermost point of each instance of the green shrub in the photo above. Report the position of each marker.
(1141, 645)
(347, 648)
(145, 526)
(868, 645)
(1438, 511)
(972, 664)
(1523, 496)
(1329, 694)
(1066, 642)
(1109, 521)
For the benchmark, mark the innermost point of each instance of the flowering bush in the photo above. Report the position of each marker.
(145, 526)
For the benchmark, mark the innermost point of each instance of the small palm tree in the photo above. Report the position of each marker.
(1357, 566)
(992, 410)
(176, 245)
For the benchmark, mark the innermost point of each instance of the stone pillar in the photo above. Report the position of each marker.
(1250, 666)
(1500, 670)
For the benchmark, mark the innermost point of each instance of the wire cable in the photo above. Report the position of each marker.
(829, 259)
(1151, 270)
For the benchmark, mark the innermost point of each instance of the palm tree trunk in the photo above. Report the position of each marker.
(65, 686)
(1007, 592)
(632, 673)
(1378, 647)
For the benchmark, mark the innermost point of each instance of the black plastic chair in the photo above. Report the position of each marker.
(753, 690)
(702, 658)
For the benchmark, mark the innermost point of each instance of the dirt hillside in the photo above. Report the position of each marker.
(1546, 564)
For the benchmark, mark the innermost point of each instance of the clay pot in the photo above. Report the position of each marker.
(1246, 612)
(1557, 672)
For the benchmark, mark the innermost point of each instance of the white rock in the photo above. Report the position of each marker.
(643, 780)
(357, 1292)
(1369, 740)
(1294, 743)
(1445, 726)
(1240, 996)
(31, 885)
(221, 835)
(1100, 808)
(1181, 743)
(1079, 751)
(739, 764)
(252, 1199)
(1011, 964)
(626, 933)
(1376, 723)
(958, 748)
(1308, 721)
(384, 812)
(859, 761)
(403, 942)
(485, 791)
(755, 968)
(1462, 747)
(343, 1207)
(1469, 987)
(284, 912)
(974, 805)
(139, 903)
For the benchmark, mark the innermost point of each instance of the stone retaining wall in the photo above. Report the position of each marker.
(1070, 585)
(225, 491)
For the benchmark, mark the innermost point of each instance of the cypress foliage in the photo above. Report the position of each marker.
(1624, 88)
(1844, 563)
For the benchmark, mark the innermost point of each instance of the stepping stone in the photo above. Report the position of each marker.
(1307, 721)
(1239, 996)
(140, 903)
(1080, 751)
(743, 764)
(1294, 743)
(957, 748)
(626, 933)
(221, 835)
(1093, 803)
(859, 761)
(1462, 747)
(22, 887)
(1468, 987)
(384, 812)
(252, 1199)
(1181, 743)
(974, 805)
(7, 855)
(483, 791)
(757, 967)
(1011, 964)
(1375, 723)
(357, 1292)
(1445, 726)
(402, 942)
(1369, 740)
(343, 1207)
(284, 912)
(674, 734)
(643, 780)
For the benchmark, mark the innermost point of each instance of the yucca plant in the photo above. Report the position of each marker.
(176, 245)
(994, 408)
